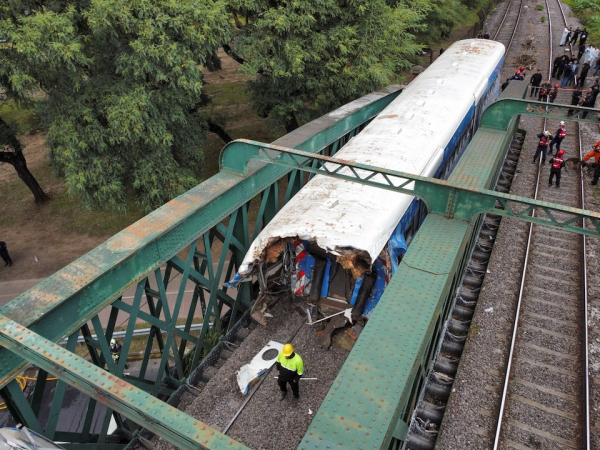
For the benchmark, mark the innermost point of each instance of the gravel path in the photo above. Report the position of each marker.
(266, 423)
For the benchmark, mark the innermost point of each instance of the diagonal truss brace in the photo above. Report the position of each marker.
(178, 428)
(441, 197)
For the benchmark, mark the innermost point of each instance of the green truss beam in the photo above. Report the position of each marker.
(451, 200)
(63, 302)
(499, 113)
(162, 419)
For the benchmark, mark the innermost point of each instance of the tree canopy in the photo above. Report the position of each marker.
(122, 83)
(308, 57)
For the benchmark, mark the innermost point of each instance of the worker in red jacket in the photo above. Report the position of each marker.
(556, 165)
(544, 137)
(558, 136)
(595, 153)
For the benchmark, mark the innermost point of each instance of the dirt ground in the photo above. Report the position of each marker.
(37, 246)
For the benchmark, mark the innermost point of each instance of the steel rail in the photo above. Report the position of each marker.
(510, 41)
(524, 273)
(525, 265)
(586, 356)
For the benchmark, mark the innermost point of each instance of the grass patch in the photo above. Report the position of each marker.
(22, 119)
(539, 7)
(227, 94)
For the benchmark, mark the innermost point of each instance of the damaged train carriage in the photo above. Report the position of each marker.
(341, 241)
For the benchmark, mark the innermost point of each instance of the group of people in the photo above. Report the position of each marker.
(557, 162)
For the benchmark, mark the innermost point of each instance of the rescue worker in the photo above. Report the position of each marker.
(517, 76)
(535, 81)
(558, 136)
(544, 137)
(4, 254)
(556, 165)
(554, 93)
(290, 368)
(595, 153)
(544, 90)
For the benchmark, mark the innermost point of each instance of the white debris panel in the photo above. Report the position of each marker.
(260, 364)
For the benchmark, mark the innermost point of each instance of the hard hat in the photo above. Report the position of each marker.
(518, 72)
(287, 350)
(546, 133)
(561, 152)
(113, 341)
(522, 68)
(556, 85)
(562, 122)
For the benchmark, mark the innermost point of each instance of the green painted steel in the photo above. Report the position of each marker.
(500, 113)
(62, 303)
(173, 425)
(461, 200)
(373, 391)
(371, 401)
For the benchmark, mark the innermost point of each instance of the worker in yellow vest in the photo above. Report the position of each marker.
(290, 368)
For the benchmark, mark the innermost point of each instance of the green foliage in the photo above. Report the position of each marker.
(306, 58)
(123, 84)
(588, 11)
(21, 118)
(543, 19)
(443, 16)
(539, 7)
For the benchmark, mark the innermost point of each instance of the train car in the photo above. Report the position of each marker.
(342, 241)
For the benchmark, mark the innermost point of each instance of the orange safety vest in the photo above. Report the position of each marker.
(562, 132)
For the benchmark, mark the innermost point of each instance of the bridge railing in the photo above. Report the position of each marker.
(190, 245)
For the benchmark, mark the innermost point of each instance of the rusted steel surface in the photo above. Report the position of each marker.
(62, 303)
(176, 427)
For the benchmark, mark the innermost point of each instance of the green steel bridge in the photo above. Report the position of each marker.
(203, 236)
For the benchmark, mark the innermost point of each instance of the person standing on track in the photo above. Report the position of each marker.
(544, 91)
(556, 165)
(595, 153)
(290, 368)
(554, 93)
(558, 136)
(566, 35)
(584, 71)
(583, 37)
(587, 102)
(4, 254)
(544, 137)
(535, 81)
(574, 36)
(575, 100)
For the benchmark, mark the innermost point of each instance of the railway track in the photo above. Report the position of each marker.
(544, 391)
(510, 22)
(545, 398)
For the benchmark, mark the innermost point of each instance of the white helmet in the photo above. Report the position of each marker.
(113, 341)
(562, 122)
(546, 133)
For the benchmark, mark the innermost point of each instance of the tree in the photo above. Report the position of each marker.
(11, 152)
(308, 57)
(122, 84)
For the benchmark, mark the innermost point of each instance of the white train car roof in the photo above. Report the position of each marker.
(409, 135)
